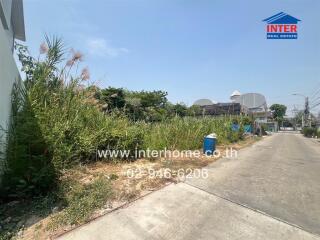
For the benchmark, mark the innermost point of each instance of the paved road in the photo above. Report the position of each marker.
(271, 191)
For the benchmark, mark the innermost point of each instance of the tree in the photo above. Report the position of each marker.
(299, 115)
(146, 105)
(194, 111)
(180, 109)
(156, 99)
(113, 97)
(278, 112)
(133, 109)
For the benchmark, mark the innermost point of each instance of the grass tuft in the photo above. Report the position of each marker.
(81, 202)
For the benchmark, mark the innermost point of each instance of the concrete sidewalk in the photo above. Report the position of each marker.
(255, 196)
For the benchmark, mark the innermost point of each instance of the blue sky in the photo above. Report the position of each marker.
(191, 49)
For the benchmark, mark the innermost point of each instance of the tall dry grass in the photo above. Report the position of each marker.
(188, 133)
(56, 123)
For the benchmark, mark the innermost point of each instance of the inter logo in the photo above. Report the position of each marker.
(282, 26)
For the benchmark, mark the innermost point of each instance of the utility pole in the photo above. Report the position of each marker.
(295, 112)
(306, 116)
(307, 112)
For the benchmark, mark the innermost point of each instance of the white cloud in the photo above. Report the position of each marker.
(103, 48)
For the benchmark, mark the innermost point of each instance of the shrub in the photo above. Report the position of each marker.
(28, 167)
(309, 131)
(246, 121)
(56, 123)
(68, 115)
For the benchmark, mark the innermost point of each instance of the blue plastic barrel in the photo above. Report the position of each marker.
(247, 128)
(235, 127)
(209, 144)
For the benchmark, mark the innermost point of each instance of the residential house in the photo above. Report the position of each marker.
(11, 28)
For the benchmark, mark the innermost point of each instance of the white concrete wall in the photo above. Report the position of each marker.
(6, 6)
(8, 75)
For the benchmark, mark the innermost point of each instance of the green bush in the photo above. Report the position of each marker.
(310, 132)
(56, 123)
(245, 120)
(28, 167)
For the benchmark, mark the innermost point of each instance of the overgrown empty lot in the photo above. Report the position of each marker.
(91, 190)
(52, 178)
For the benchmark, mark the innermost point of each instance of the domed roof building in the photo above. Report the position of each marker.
(203, 102)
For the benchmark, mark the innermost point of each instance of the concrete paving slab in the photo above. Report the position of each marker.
(279, 176)
(184, 212)
(271, 191)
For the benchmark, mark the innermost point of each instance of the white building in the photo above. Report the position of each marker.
(235, 96)
(11, 28)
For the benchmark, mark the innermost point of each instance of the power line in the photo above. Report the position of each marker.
(315, 93)
(315, 105)
(315, 99)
